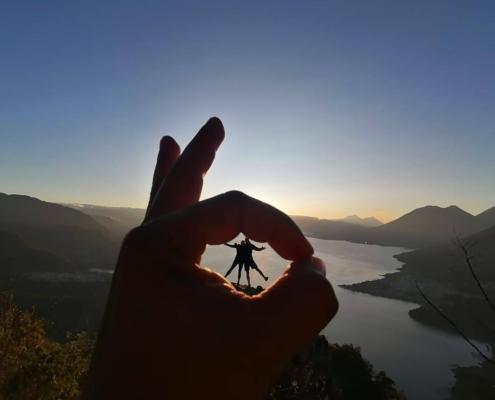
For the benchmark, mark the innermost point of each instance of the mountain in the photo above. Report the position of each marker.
(18, 209)
(422, 227)
(62, 231)
(487, 217)
(426, 226)
(370, 221)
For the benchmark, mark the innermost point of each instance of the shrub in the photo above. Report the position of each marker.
(33, 366)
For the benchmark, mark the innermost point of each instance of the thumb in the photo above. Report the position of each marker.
(301, 302)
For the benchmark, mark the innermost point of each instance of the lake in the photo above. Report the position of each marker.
(418, 358)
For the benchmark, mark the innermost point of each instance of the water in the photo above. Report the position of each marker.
(416, 357)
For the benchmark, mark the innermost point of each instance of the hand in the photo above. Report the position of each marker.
(174, 330)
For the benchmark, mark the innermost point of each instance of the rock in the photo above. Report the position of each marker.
(249, 290)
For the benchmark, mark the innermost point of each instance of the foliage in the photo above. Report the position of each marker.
(333, 372)
(32, 366)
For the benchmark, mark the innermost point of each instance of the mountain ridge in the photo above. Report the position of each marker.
(22, 209)
(422, 227)
(426, 226)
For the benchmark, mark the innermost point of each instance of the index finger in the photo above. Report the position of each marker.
(184, 183)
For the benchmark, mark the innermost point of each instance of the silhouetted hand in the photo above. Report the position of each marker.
(173, 330)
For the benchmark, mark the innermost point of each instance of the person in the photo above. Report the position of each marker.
(237, 259)
(244, 264)
(244, 259)
(174, 330)
(250, 263)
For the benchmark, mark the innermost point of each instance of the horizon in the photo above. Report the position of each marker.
(330, 109)
(77, 204)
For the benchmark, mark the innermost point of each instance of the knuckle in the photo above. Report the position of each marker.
(329, 301)
(236, 196)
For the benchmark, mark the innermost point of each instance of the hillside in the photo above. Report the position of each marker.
(442, 265)
(18, 209)
(444, 275)
(61, 231)
(487, 217)
(16, 257)
(446, 264)
(118, 220)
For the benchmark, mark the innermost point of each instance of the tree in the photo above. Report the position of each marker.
(333, 372)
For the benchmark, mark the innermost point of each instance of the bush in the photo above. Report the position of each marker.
(333, 372)
(32, 366)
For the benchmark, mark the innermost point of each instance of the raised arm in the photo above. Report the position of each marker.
(234, 246)
(258, 248)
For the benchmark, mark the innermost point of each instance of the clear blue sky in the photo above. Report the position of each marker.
(330, 107)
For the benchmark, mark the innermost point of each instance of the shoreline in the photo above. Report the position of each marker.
(399, 285)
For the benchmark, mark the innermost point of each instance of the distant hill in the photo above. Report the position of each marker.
(422, 227)
(62, 231)
(330, 229)
(118, 220)
(369, 221)
(426, 226)
(487, 217)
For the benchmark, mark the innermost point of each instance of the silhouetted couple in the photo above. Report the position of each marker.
(244, 259)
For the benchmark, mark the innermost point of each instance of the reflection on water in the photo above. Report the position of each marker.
(417, 357)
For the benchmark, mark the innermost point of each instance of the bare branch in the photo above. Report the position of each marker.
(466, 248)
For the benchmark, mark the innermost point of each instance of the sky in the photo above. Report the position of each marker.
(330, 108)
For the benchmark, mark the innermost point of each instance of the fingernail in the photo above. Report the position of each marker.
(313, 264)
(215, 121)
(164, 140)
(216, 128)
(319, 265)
